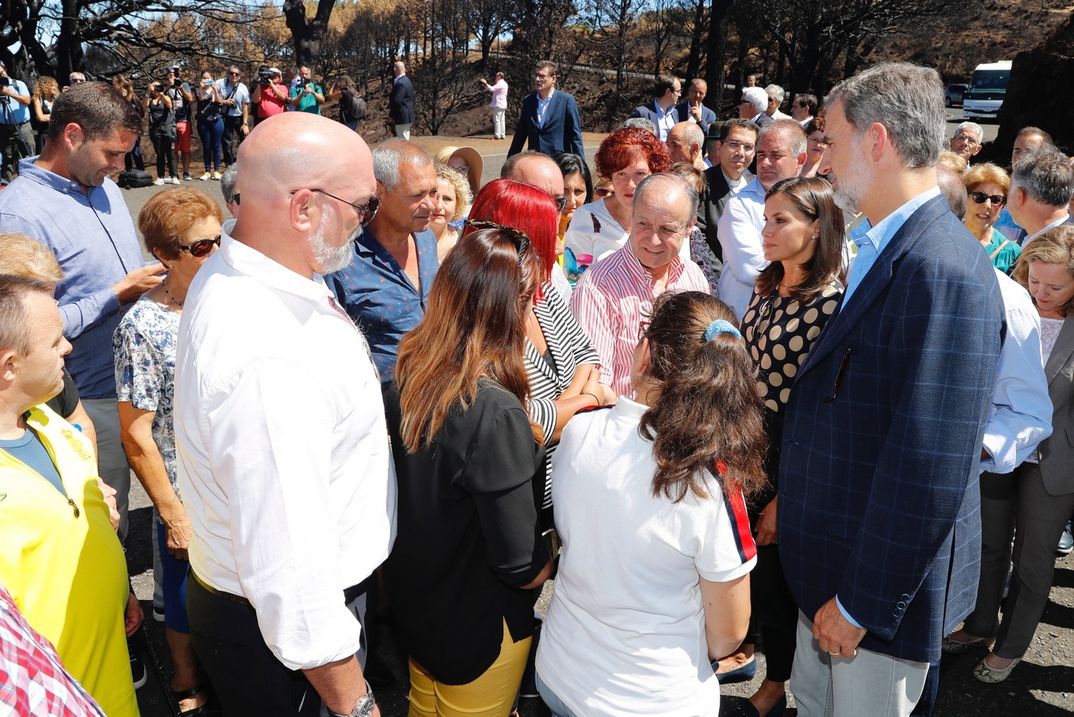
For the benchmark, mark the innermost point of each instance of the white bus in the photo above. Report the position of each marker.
(988, 87)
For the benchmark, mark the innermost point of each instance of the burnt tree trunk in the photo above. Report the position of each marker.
(717, 42)
(306, 34)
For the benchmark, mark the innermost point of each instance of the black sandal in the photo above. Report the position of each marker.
(202, 709)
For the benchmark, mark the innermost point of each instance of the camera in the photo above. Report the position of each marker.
(264, 76)
(5, 81)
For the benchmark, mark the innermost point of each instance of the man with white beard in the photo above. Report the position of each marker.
(385, 285)
(282, 448)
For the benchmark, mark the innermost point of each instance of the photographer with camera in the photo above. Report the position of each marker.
(306, 95)
(158, 105)
(16, 135)
(235, 100)
(182, 99)
(270, 95)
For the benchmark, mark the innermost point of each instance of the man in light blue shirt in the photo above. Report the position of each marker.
(65, 200)
(235, 99)
(16, 136)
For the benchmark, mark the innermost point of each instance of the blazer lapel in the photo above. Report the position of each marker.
(1061, 352)
(872, 284)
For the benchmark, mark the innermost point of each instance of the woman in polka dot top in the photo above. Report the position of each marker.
(793, 298)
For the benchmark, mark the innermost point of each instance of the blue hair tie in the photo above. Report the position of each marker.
(721, 326)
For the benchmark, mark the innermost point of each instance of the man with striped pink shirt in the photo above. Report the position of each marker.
(614, 297)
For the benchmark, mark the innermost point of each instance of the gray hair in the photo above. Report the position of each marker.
(775, 92)
(907, 100)
(1046, 175)
(640, 123)
(693, 134)
(756, 97)
(954, 191)
(227, 182)
(973, 126)
(667, 180)
(790, 130)
(390, 155)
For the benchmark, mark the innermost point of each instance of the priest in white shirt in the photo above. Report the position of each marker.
(282, 447)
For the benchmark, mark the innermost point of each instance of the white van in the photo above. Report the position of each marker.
(988, 87)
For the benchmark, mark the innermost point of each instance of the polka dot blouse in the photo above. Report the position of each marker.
(779, 332)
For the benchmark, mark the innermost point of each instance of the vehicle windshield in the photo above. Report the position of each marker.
(990, 79)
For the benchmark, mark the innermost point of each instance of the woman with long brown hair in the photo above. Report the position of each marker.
(656, 545)
(468, 551)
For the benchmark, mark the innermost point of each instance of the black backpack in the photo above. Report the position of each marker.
(134, 178)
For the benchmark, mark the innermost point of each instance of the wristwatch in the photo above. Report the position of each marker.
(364, 708)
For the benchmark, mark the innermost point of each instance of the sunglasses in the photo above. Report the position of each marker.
(366, 211)
(201, 248)
(561, 202)
(521, 241)
(998, 200)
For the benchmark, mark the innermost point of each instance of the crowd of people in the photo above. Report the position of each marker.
(759, 384)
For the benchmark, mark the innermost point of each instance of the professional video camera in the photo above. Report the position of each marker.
(5, 81)
(264, 76)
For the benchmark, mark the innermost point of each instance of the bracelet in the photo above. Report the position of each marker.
(587, 393)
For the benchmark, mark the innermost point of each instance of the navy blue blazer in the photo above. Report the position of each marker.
(878, 494)
(707, 116)
(401, 101)
(561, 131)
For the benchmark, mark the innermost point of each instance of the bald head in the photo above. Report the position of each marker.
(290, 164)
(537, 170)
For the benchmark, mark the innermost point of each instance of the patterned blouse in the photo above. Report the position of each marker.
(779, 332)
(144, 345)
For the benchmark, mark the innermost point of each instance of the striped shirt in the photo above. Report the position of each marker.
(569, 348)
(614, 299)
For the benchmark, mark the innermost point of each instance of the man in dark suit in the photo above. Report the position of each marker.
(879, 508)
(692, 110)
(661, 111)
(549, 121)
(401, 101)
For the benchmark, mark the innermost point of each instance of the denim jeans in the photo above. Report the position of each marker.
(551, 700)
(211, 133)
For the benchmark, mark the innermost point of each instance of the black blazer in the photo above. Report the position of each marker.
(401, 101)
(467, 534)
(707, 116)
(716, 194)
(561, 131)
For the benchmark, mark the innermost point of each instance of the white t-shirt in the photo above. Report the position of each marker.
(594, 232)
(625, 633)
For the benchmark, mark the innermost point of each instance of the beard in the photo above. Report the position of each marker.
(330, 258)
(850, 188)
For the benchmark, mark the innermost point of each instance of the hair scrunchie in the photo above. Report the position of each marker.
(721, 326)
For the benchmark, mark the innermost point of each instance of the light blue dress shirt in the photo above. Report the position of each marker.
(12, 111)
(92, 237)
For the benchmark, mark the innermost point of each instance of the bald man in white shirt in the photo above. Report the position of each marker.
(282, 447)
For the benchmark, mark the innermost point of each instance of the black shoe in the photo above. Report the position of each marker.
(138, 671)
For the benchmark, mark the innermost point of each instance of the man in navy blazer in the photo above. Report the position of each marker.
(549, 121)
(401, 101)
(692, 110)
(661, 110)
(879, 508)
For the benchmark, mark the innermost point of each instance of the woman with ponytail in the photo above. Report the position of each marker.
(468, 550)
(794, 297)
(650, 506)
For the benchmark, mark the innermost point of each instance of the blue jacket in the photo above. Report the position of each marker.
(401, 101)
(878, 494)
(707, 116)
(561, 131)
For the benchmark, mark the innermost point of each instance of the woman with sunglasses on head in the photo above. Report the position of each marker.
(987, 186)
(181, 229)
(653, 581)
(468, 550)
(453, 199)
(793, 299)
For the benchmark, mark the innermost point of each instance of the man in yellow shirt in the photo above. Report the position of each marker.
(61, 561)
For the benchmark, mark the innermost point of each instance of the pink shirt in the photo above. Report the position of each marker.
(612, 300)
(499, 95)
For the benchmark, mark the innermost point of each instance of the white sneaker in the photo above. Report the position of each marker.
(159, 182)
(217, 176)
(174, 180)
(204, 177)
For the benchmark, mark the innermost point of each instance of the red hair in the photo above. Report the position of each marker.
(627, 144)
(525, 208)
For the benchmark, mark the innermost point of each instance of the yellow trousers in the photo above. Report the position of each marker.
(492, 694)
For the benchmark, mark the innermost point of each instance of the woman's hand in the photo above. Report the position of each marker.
(766, 524)
(178, 532)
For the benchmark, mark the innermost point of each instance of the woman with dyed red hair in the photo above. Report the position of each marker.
(561, 364)
(625, 157)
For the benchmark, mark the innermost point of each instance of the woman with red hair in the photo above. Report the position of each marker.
(625, 157)
(561, 364)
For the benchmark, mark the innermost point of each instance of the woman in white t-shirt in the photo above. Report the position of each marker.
(653, 583)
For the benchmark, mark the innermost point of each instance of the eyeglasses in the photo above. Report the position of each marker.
(366, 211)
(561, 203)
(234, 74)
(817, 142)
(998, 200)
(736, 145)
(965, 138)
(202, 247)
(521, 241)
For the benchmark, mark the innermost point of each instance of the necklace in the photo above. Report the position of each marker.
(170, 295)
